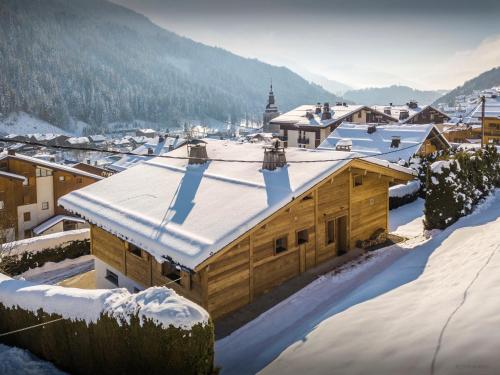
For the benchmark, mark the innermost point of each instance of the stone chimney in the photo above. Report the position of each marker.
(197, 152)
(396, 141)
(326, 115)
(150, 151)
(11, 152)
(274, 156)
(371, 129)
(318, 109)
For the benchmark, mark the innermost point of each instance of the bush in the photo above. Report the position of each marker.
(455, 185)
(16, 264)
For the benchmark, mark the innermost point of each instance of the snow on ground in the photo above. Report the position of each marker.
(23, 123)
(434, 310)
(52, 273)
(407, 220)
(391, 306)
(15, 361)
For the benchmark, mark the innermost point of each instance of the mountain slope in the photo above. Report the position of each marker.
(483, 81)
(99, 62)
(392, 94)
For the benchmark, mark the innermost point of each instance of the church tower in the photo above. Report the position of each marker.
(270, 112)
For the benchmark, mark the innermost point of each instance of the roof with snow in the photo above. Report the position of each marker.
(47, 224)
(78, 140)
(189, 212)
(12, 175)
(50, 165)
(298, 116)
(379, 142)
(158, 148)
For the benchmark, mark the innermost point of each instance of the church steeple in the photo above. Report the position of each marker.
(271, 109)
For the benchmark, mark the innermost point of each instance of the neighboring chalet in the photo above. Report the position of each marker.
(30, 188)
(412, 113)
(153, 147)
(308, 125)
(389, 142)
(224, 233)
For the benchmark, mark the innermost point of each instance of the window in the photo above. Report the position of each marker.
(302, 237)
(41, 172)
(79, 180)
(61, 178)
(280, 245)
(2, 205)
(27, 216)
(45, 205)
(171, 271)
(357, 180)
(307, 197)
(330, 232)
(27, 233)
(112, 277)
(134, 250)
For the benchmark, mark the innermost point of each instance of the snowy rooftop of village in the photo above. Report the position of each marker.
(188, 212)
(158, 148)
(397, 109)
(379, 142)
(298, 115)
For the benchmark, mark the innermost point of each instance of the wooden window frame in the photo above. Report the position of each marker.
(178, 278)
(45, 206)
(27, 233)
(134, 250)
(354, 182)
(26, 216)
(79, 180)
(297, 236)
(62, 178)
(284, 236)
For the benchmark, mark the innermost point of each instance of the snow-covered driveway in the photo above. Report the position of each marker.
(387, 315)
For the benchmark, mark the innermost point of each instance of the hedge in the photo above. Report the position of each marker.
(16, 264)
(111, 347)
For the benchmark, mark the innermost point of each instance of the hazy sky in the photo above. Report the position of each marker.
(426, 44)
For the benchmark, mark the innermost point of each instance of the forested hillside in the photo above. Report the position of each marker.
(392, 94)
(98, 62)
(483, 81)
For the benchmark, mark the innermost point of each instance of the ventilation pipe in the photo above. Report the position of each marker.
(274, 157)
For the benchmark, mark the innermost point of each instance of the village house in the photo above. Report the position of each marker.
(224, 233)
(412, 113)
(308, 125)
(148, 133)
(29, 190)
(389, 142)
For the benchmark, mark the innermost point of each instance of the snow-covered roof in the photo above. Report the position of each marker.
(48, 164)
(78, 140)
(397, 109)
(147, 131)
(189, 212)
(379, 142)
(298, 115)
(158, 148)
(12, 175)
(97, 138)
(47, 224)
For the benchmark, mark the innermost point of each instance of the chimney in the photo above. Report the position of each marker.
(150, 150)
(197, 151)
(338, 104)
(371, 129)
(161, 139)
(344, 144)
(11, 152)
(318, 108)
(396, 141)
(413, 104)
(309, 115)
(274, 157)
(344, 104)
(326, 115)
(390, 104)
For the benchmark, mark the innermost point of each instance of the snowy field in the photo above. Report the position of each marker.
(15, 361)
(423, 306)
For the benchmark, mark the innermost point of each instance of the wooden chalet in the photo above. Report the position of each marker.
(392, 142)
(224, 233)
(412, 113)
(308, 125)
(30, 188)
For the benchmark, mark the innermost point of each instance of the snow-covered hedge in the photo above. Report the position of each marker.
(18, 257)
(403, 194)
(456, 184)
(108, 331)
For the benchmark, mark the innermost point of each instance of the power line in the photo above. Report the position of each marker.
(166, 156)
(30, 327)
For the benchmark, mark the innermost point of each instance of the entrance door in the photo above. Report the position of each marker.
(341, 228)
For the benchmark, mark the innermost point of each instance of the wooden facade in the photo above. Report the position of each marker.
(64, 182)
(324, 222)
(11, 196)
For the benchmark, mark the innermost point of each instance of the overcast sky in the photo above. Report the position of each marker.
(426, 44)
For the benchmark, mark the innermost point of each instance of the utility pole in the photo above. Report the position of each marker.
(483, 100)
